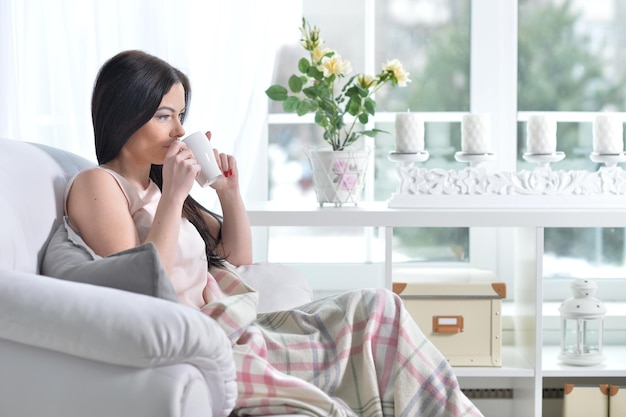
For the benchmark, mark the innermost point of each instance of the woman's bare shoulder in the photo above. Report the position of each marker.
(97, 207)
(95, 179)
(94, 186)
(94, 174)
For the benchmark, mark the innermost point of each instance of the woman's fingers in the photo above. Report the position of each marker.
(180, 166)
(228, 164)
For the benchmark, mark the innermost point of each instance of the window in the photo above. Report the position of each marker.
(432, 39)
(570, 56)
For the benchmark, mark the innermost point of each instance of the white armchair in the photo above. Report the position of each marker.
(71, 349)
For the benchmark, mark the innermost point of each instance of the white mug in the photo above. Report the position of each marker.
(202, 150)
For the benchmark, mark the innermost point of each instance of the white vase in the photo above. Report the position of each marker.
(338, 176)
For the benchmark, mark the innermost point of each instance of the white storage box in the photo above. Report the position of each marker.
(463, 320)
(586, 401)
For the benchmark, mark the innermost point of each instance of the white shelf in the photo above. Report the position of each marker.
(614, 366)
(451, 214)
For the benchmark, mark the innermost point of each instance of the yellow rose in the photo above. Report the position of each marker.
(395, 67)
(318, 53)
(334, 65)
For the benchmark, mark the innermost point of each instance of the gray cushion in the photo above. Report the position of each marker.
(137, 270)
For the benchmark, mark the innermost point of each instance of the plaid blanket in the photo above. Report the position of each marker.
(354, 354)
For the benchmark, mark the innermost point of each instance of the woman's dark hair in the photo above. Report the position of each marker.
(127, 93)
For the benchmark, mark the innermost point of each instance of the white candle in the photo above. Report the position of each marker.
(476, 134)
(409, 133)
(608, 134)
(540, 135)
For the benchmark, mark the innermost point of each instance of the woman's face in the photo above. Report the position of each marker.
(150, 143)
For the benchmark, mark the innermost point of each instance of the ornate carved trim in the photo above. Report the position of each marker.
(476, 181)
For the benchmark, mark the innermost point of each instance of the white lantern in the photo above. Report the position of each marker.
(582, 324)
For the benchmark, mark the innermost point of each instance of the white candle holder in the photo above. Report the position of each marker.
(544, 160)
(609, 160)
(582, 324)
(540, 187)
(474, 160)
(408, 159)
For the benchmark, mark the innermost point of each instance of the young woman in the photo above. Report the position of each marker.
(357, 353)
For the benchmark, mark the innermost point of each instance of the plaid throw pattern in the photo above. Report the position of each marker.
(354, 354)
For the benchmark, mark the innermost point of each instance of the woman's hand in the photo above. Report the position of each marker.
(230, 174)
(180, 169)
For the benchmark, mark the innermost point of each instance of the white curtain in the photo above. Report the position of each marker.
(52, 49)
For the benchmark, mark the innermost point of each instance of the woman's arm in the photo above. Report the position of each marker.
(98, 209)
(236, 244)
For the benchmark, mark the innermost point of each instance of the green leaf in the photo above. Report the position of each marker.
(358, 90)
(363, 118)
(295, 83)
(314, 73)
(373, 132)
(328, 106)
(354, 107)
(363, 92)
(323, 92)
(353, 92)
(291, 104)
(310, 92)
(302, 108)
(304, 65)
(277, 92)
(323, 123)
(370, 106)
(338, 123)
(308, 106)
